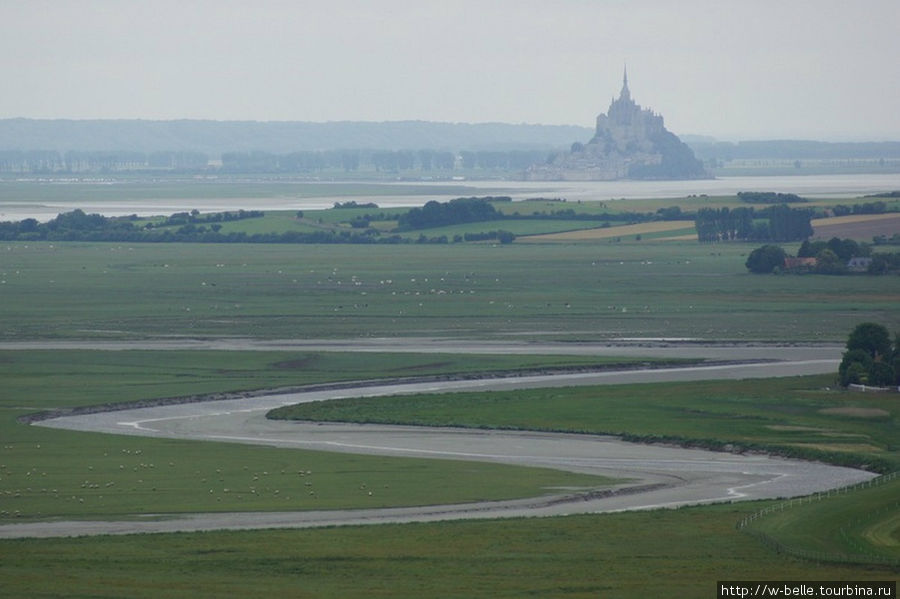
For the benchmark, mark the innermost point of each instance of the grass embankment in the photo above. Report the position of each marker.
(650, 230)
(666, 553)
(562, 292)
(48, 473)
(540, 221)
(797, 416)
(858, 525)
(677, 552)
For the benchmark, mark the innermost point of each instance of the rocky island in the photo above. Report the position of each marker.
(630, 142)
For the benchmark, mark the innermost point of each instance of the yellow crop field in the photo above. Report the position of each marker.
(852, 218)
(688, 237)
(609, 232)
(862, 227)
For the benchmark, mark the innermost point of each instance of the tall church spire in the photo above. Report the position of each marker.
(625, 94)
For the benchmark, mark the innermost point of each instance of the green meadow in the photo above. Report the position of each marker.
(798, 417)
(665, 553)
(559, 291)
(684, 551)
(47, 473)
(860, 525)
(530, 217)
(794, 416)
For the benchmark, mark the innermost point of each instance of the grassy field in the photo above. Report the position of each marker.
(860, 525)
(552, 291)
(668, 553)
(555, 291)
(681, 552)
(652, 205)
(859, 226)
(638, 231)
(799, 416)
(544, 230)
(46, 473)
(796, 417)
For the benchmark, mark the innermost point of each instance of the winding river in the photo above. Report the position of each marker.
(659, 476)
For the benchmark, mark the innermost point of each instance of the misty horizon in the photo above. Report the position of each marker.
(690, 135)
(817, 70)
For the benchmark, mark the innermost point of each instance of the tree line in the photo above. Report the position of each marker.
(823, 257)
(871, 358)
(350, 160)
(458, 211)
(48, 161)
(773, 223)
(877, 207)
(391, 161)
(769, 197)
(195, 228)
(793, 149)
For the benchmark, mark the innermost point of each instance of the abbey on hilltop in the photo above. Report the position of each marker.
(630, 142)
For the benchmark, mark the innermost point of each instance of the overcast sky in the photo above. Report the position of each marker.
(757, 69)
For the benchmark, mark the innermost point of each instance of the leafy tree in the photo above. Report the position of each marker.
(856, 374)
(789, 224)
(854, 367)
(438, 214)
(879, 265)
(670, 213)
(873, 339)
(29, 225)
(881, 374)
(829, 263)
(847, 248)
(870, 358)
(505, 236)
(765, 259)
(768, 197)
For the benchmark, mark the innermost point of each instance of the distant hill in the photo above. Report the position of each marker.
(630, 142)
(789, 149)
(217, 137)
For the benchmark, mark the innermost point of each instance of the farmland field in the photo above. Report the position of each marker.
(858, 226)
(51, 474)
(684, 551)
(802, 416)
(680, 553)
(644, 229)
(548, 291)
(602, 289)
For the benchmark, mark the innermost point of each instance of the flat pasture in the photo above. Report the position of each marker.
(682, 552)
(795, 416)
(560, 289)
(799, 417)
(47, 474)
(594, 234)
(564, 291)
(862, 227)
(860, 524)
(676, 553)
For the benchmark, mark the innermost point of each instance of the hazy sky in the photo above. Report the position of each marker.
(815, 69)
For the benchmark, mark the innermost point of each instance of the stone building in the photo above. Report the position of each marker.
(629, 142)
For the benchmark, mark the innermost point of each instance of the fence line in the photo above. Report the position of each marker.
(779, 547)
